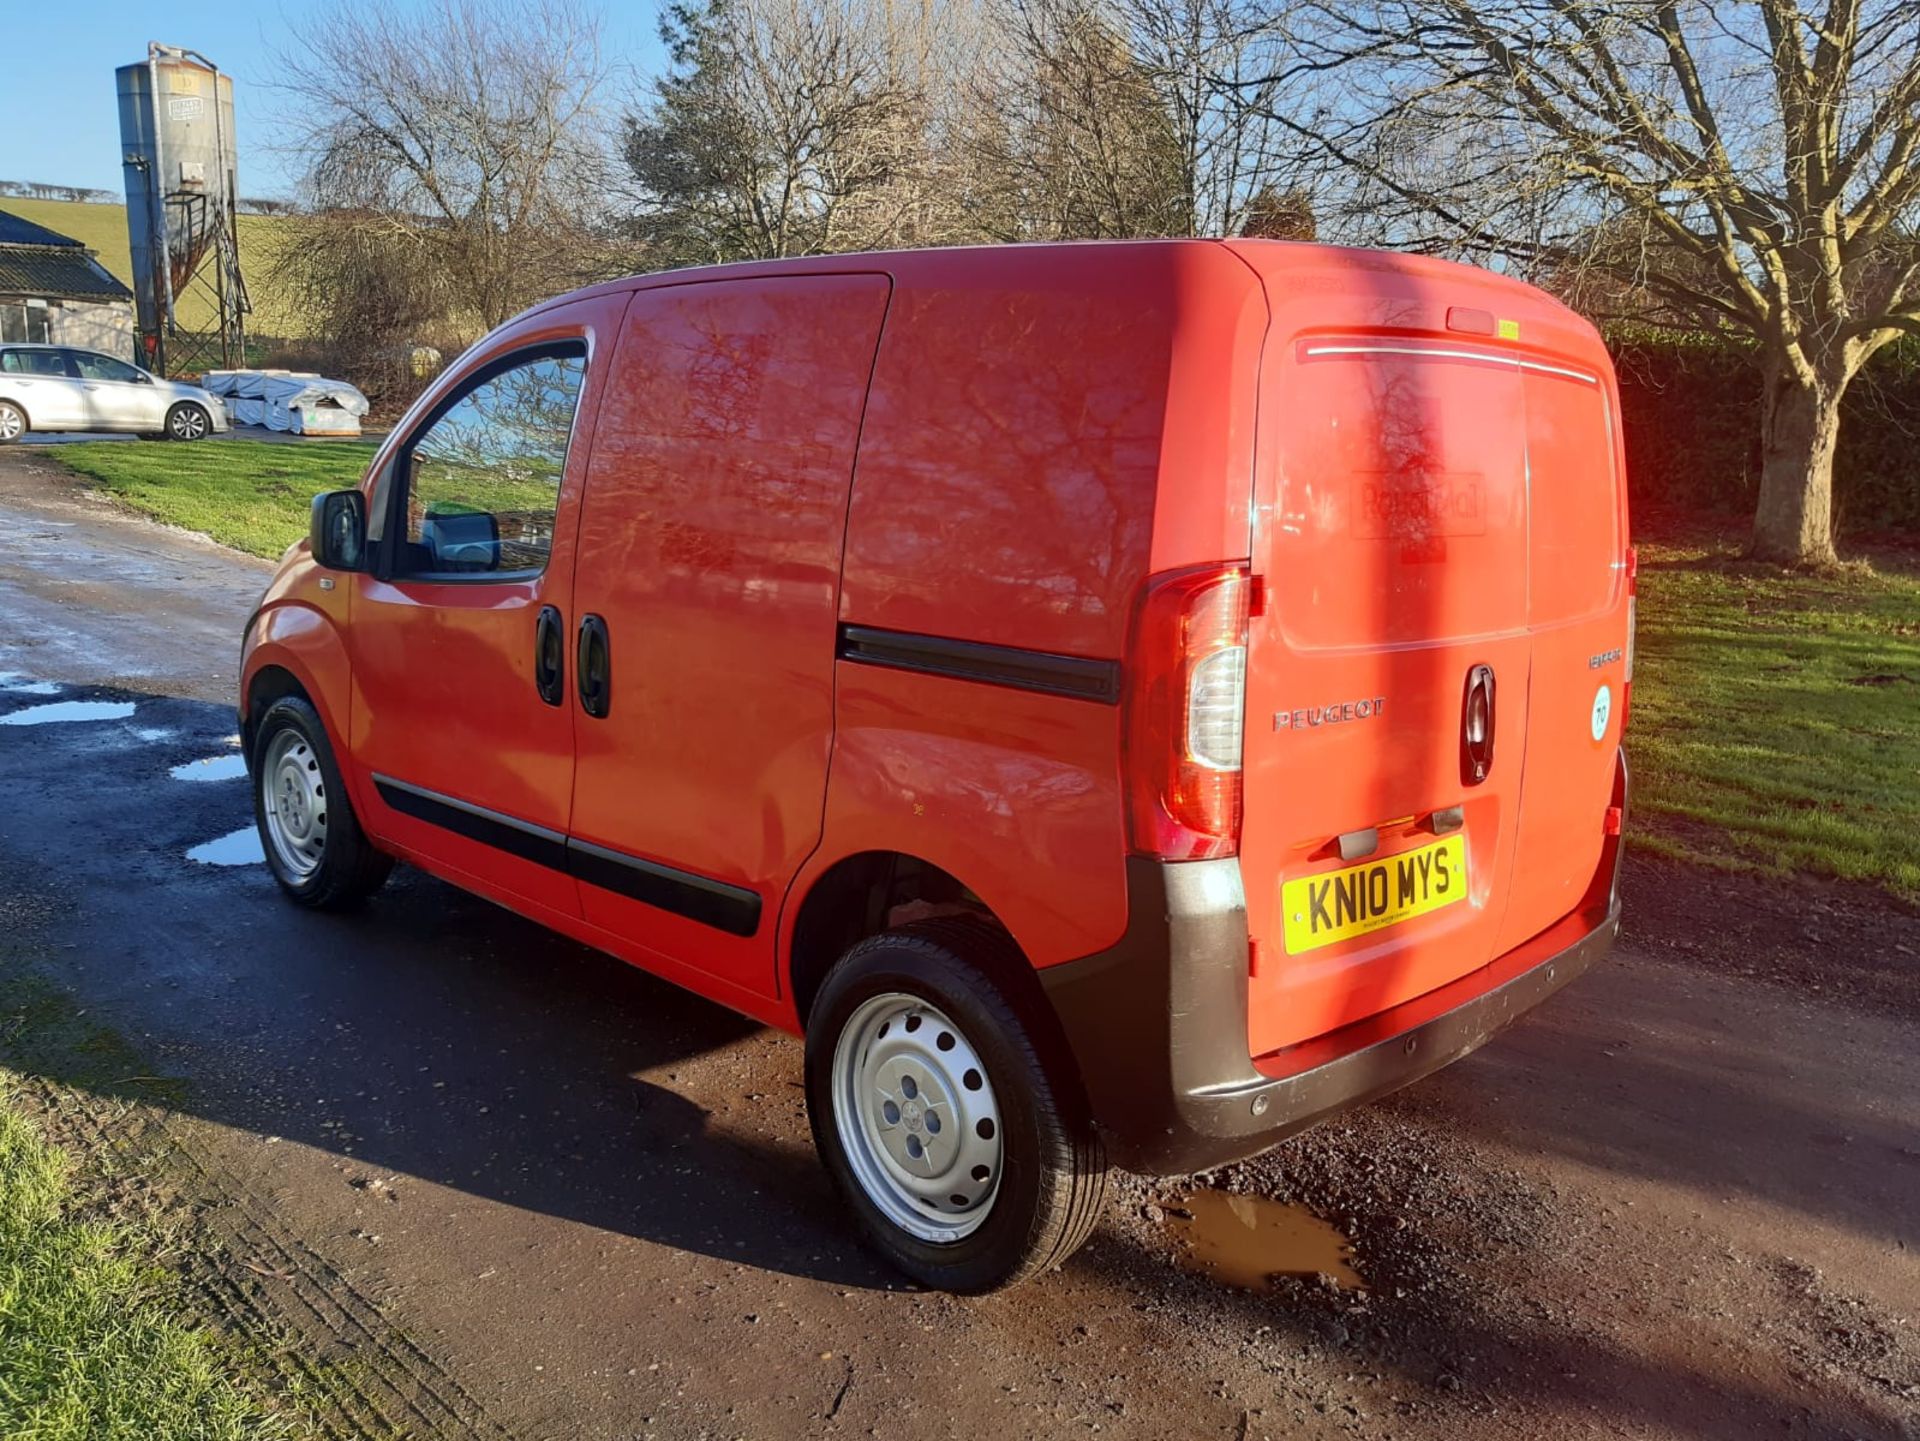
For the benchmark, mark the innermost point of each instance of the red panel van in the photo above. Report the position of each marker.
(1115, 701)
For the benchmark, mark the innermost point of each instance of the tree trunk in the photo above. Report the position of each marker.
(1799, 425)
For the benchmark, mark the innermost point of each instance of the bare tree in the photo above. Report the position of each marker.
(456, 147)
(1072, 132)
(782, 127)
(1749, 166)
(1221, 71)
(798, 126)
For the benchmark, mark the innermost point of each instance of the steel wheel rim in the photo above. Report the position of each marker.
(11, 424)
(917, 1118)
(293, 800)
(189, 423)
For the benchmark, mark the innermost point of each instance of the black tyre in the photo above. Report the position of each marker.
(13, 422)
(188, 421)
(968, 1162)
(315, 847)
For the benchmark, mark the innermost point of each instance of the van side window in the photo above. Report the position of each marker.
(483, 480)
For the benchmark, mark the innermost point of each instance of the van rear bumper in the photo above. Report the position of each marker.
(1157, 1023)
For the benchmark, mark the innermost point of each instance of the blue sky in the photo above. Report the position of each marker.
(57, 112)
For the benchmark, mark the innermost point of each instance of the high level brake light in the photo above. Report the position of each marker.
(1186, 714)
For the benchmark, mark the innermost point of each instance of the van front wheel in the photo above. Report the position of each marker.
(968, 1166)
(315, 847)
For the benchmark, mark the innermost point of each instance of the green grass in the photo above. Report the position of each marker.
(103, 230)
(92, 1347)
(1776, 717)
(253, 495)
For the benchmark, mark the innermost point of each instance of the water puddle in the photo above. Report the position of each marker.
(237, 848)
(20, 685)
(1247, 1241)
(211, 768)
(69, 710)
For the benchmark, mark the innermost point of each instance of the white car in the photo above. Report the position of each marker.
(56, 387)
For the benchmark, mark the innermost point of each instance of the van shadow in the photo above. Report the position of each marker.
(429, 1034)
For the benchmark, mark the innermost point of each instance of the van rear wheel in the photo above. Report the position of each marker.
(315, 847)
(968, 1165)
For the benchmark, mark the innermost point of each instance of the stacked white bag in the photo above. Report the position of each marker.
(298, 401)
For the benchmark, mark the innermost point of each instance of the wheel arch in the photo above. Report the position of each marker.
(269, 683)
(294, 649)
(874, 891)
(866, 893)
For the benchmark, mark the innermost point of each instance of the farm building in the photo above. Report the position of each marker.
(53, 289)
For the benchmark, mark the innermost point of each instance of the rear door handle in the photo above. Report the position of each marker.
(1476, 726)
(549, 657)
(595, 668)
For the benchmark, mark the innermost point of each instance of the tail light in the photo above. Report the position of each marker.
(1186, 714)
(1633, 625)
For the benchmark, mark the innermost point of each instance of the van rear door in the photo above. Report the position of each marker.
(1577, 606)
(1381, 817)
(1435, 682)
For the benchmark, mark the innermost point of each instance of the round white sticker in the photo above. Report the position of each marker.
(1602, 711)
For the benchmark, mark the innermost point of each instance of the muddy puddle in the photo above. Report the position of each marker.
(1247, 1241)
(21, 685)
(212, 768)
(69, 710)
(236, 848)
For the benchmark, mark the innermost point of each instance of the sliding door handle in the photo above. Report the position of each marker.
(595, 668)
(550, 657)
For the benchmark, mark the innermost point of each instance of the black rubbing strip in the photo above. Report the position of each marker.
(732, 909)
(1034, 670)
(519, 838)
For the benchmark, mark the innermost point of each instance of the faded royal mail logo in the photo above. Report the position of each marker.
(1307, 717)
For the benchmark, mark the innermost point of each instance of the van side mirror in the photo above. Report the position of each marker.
(338, 536)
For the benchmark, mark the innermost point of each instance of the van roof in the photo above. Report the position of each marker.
(1266, 258)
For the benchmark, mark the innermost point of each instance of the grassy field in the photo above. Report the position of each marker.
(91, 1346)
(103, 229)
(253, 495)
(1776, 717)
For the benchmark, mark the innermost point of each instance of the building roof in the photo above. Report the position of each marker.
(43, 263)
(14, 230)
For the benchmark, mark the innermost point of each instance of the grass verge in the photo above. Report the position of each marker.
(1776, 717)
(91, 1345)
(253, 495)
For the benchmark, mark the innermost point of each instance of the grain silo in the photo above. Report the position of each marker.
(179, 157)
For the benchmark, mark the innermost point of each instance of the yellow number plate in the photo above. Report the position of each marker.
(1336, 905)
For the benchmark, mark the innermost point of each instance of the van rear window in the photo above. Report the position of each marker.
(1431, 494)
(1575, 497)
(1402, 497)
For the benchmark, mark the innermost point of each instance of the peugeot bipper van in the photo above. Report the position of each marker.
(1115, 701)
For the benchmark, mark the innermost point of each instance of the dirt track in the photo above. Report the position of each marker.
(525, 1190)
